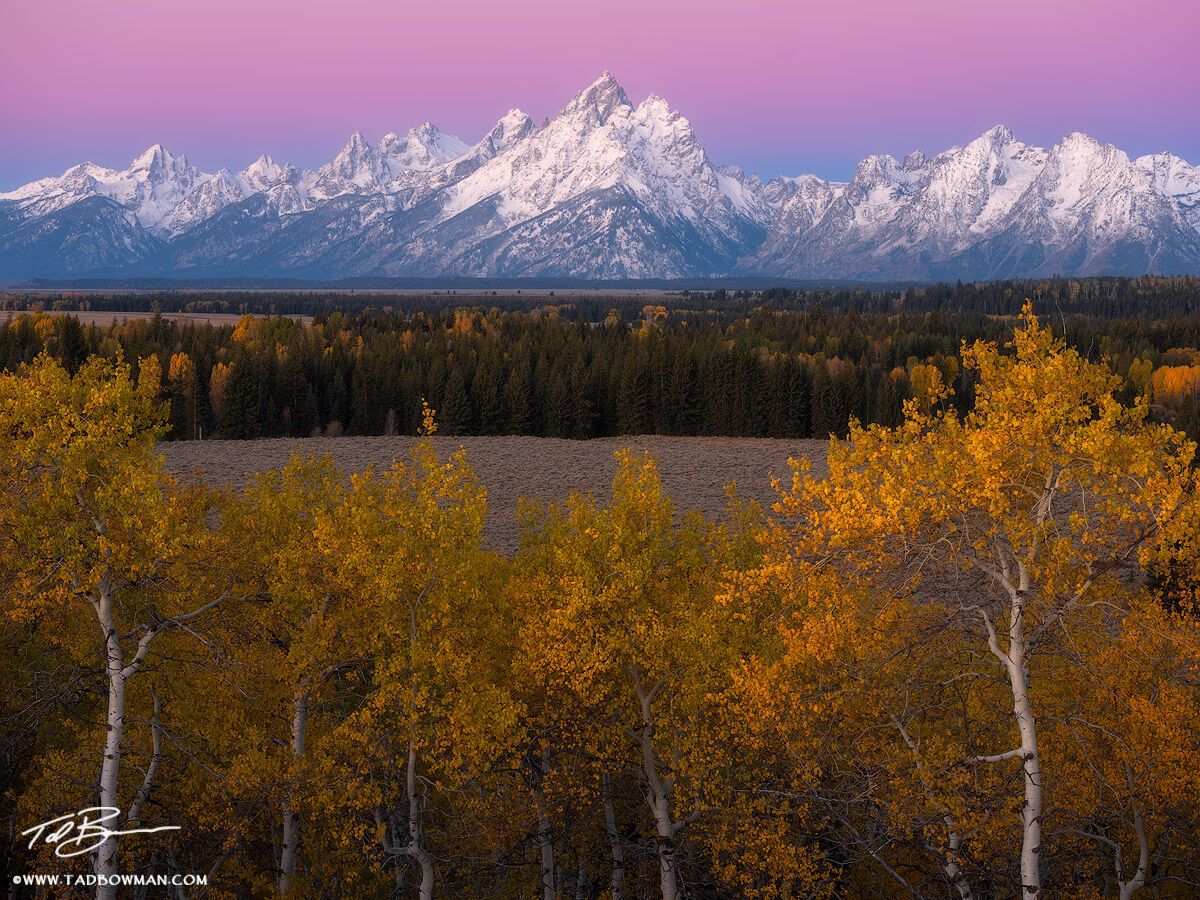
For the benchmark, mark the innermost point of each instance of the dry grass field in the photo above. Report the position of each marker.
(104, 318)
(694, 470)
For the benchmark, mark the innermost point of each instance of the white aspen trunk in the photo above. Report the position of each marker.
(1134, 884)
(544, 842)
(1031, 810)
(143, 794)
(291, 818)
(617, 879)
(658, 797)
(666, 850)
(176, 891)
(106, 854)
(950, 866)
(117, 673)
(547, 850)
(416, 830)
(1014, 661)
(580, 878)
(416, 836)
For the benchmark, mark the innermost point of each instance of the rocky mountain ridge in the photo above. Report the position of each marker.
(607, 189)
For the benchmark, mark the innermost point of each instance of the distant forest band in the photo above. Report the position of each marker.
(776, 363)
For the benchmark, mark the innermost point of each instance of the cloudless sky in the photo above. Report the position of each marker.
(776, 86)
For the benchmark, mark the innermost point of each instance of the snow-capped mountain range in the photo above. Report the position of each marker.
(607, 189)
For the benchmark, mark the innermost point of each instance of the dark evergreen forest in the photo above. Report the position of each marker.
(775, 363)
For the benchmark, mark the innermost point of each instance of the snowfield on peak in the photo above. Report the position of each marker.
(610, 189)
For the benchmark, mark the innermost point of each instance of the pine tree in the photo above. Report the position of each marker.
(455, 414)
(559, 406)
(487, 391)
(799, 387)
(581, 399)
(632, 408)
(516, 402)
(238, 415)
(822, 403)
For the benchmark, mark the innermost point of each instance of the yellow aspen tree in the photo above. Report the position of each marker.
(181, 378)
(405, 547)
(625, 595)
(1124, 737)
(307, 629)
(105, 537)
(791, 710)
(1022, 518)
(1024, 515)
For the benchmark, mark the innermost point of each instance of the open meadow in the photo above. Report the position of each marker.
(694, 470)
(104, 318)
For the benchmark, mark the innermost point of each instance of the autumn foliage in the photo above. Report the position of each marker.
(948, 668)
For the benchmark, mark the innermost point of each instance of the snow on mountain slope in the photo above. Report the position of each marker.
(259, 176)
(513, 126)
(204, 201)
(609, 189)
(420, 150)
(90, 236)
(152, 186)
(386, 167)
(1174, 178)
(286, 189)
(994, 208)
(1091, 211)
(415, 186)
(601, 146)
(597, 141)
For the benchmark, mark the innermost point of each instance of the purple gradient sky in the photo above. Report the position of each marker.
(777, 86)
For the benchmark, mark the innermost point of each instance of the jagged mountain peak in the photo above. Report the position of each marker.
(1077, 146)
(879, 169)
(597, 102)
(995, 136)
(996, 143)
(512, 127)
(355, 162)
(260, 175)
(426, 134)
(655, 109)
(1175, 178)
(606, 85)
(1173, 174)
(264, 163)
(1167, 158)
(607, 189)
(515, 117)
(421, 149)
(153, 156)
(159, 162)
(1078, 138)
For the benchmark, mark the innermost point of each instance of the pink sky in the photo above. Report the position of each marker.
(778, 86)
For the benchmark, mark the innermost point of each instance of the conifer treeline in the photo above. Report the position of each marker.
(1152, 296)
(553, 371)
